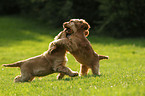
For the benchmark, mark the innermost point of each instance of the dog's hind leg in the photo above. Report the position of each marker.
(25, 77)
(83, 70)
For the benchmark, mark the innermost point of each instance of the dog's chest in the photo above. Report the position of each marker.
(84, 46)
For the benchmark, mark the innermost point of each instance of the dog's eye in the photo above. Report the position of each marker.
(81, 21)
(71, 21)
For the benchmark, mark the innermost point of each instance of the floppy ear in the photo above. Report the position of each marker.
(64, 25)
(86, 32)
(85, 26)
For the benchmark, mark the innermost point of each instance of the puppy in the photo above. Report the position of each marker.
(80, 47)
(44, 64)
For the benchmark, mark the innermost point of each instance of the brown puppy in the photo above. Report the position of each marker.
(44, 64)
(80, 47)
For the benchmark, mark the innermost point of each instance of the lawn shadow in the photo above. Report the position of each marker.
(80, 77)
(14, 29)
(117, 41)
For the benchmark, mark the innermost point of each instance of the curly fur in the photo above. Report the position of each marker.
(45, 64)
(79, 46)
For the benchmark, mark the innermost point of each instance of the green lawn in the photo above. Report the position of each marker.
(122, 75)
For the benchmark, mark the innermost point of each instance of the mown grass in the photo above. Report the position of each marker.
(122, 75)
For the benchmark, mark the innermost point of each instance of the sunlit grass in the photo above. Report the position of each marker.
(122, 75)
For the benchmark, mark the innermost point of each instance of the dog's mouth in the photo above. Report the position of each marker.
(68, 31)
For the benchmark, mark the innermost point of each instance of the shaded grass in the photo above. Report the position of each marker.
(122, 75)
(23, 29)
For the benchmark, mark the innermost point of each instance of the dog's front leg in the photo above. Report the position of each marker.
(60, 75)
(95, 68)
(65, 70)
(59, 42)
(83, 70)
(63, 42)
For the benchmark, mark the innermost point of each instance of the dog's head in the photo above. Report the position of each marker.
(75, 25)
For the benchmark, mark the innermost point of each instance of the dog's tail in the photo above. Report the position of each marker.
(17, 64)
(103, 57)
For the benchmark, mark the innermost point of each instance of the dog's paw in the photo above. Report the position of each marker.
(75, 74)
(82, 74)
(51, 49)
(17, 79)
(60, 76)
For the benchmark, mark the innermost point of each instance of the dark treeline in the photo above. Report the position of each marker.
(118, 18)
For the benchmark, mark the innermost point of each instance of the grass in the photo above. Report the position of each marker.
(122, 75)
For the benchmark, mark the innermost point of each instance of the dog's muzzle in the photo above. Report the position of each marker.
(68, 32)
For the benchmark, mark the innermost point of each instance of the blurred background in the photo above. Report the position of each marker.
(116, 18)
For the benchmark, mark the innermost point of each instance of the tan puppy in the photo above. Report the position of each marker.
(80, 47)
(44, 64)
